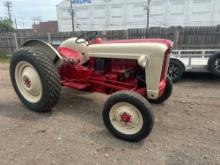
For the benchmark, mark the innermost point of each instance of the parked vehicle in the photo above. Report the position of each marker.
(198, 60)
(133, 71)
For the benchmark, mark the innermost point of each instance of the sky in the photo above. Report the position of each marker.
(28, 9)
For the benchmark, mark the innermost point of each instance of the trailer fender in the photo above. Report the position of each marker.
(46, 49)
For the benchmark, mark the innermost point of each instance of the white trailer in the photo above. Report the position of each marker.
(197, 60)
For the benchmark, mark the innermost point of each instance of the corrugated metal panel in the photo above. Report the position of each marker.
(127, 14)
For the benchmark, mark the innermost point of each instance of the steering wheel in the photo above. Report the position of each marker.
(86, 37)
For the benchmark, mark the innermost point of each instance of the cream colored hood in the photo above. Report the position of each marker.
(127, 50)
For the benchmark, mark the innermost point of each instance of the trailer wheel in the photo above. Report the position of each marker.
(214, 64)
(176, 69)
(128, 116)
(167, 93)
(35, 80)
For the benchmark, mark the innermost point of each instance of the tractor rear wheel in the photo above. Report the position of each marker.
(128, 116)
(35, 80)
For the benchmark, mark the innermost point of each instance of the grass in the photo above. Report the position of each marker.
(3, 57)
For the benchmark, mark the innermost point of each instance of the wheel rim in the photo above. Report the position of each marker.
(28, 82)
(173, 71)
(126, 118)
(217, 64)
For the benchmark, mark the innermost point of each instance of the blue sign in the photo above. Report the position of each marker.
(81, 1)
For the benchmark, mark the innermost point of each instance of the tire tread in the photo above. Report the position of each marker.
(50, 75)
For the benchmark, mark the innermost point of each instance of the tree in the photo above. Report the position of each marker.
(6, 26)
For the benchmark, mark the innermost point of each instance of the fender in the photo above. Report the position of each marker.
(47, 49)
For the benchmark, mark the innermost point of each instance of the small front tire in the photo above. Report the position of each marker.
(128, 116)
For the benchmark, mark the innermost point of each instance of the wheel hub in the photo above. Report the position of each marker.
(28, 82)
(126, 118)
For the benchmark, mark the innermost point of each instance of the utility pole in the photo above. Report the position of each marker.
(148, 17)
(35, 19)
(22, 18)
(16, 25)
(36, 25)
(108, 14)
(72, 15)
(8, 5)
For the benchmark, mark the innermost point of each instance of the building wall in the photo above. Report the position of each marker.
(45, 27)
(126, 14)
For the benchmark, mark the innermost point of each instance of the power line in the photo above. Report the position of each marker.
(16, 25)
(107, 14)
(22, 18)
(148, 16)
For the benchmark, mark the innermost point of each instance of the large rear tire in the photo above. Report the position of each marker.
(128, 116)
(214, 64)
(35, 80)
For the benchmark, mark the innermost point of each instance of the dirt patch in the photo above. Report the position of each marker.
(187, 129)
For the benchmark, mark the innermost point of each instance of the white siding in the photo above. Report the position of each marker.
(126, 14)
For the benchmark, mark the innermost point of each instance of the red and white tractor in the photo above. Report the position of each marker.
(134, 72)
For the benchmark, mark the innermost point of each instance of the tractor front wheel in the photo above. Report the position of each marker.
(35, 80)
(128, 116)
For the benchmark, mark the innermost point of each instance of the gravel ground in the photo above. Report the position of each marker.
(186, 131)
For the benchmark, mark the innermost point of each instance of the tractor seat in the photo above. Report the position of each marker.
(97, 41)
(71, 55)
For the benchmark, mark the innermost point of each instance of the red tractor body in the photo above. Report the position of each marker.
(109, 75)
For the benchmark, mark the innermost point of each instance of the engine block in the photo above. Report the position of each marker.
(102, 75)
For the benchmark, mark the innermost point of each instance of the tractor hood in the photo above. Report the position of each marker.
(127, 50)
(121, 49)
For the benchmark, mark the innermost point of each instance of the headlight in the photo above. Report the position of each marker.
(143, 60)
